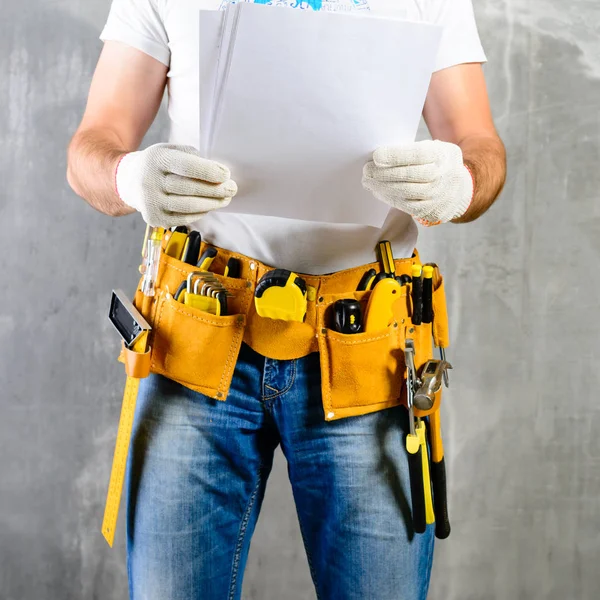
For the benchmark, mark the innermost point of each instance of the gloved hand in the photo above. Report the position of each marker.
(427, 180)
(172, 185)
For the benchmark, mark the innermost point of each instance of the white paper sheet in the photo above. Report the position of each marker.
(211, 33)
(306, 98)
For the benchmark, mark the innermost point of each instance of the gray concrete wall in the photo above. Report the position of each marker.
(522, 421)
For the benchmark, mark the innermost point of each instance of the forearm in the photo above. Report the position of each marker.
(92, 160)
(485, 157)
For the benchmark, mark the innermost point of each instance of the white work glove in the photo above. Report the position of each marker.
(427, 180)
(172, 185)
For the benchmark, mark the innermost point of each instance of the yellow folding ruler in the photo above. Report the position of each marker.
(134, 330)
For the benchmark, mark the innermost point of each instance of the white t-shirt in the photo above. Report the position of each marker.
(168, 31)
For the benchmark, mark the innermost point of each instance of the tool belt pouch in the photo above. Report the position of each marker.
(360, 373)
(366, 372)
(190, 346)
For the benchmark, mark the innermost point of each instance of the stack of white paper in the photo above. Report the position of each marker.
(295, 102)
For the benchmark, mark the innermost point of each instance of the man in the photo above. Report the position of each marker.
(198, 467)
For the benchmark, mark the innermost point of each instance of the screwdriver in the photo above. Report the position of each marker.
(232, 268)
(206, 259)
(427, 294)
(417, 295)
(386, 258)
(176, 244)
(152, 260)
(145, 249)
(191, 248)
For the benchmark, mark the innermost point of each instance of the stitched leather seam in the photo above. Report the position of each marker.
(228, 368)
(232, 323)
(160, 313)
(363, 341)
(397, 262)
(235, 343)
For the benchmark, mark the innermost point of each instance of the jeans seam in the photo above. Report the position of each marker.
(241, 537)
(287, 389)
(309, 558)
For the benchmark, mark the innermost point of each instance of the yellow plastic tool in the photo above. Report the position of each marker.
(176, 244)
(281, 294)
(422, 435)
(386, 257)
(117, 474)
(380, 309)
(205, 303)
(207, 258)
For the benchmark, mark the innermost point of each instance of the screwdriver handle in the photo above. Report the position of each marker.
(417, 490)
(417, 295)
(427, 294)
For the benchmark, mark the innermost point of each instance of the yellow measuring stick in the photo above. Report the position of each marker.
(117, 474)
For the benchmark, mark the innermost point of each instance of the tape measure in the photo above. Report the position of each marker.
(117, 474)
(134, 331)
(281, 294)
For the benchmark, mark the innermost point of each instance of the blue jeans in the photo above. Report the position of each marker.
(197, 474)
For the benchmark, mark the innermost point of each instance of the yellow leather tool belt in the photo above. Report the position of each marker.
(360, 373)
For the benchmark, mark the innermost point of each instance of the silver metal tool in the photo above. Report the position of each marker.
(431, 382)
(126, 318)
(203, 276)
(411, 382)
(443, 357)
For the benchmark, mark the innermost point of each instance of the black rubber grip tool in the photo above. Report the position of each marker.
(417, 295)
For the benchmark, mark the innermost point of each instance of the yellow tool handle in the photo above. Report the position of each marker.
(176, 244)
(117, 474)
(421, 434)
(205, 303)
(435, 437)
(380, 308)
(387, 257)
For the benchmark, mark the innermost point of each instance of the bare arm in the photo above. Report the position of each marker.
(457, 110)
(124, 99)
